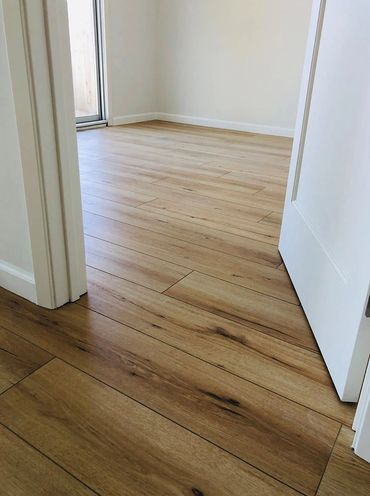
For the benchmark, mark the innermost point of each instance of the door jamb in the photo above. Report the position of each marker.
(38, 44)
(361, 424)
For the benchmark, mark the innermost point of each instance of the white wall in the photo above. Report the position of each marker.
(131, 33)
(15, 246)
(232, 63)
(233, 60)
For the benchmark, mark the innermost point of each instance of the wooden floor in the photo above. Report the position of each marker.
(189, 368)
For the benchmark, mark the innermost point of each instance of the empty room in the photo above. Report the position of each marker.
(184, 248)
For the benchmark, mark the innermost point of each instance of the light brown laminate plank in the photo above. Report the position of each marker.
(221, 188)
(233, 154)
(18, 358)
(113, 193)
(215, 207)
(346, 474)
(187, 143)
(255, 163)
(238, 246)
(248, 156)
(118, 446)
(273, 219)
(288, 370)
(279, 180)
(222, 222)
(273, 317)
(105, 175)
(229, 218)
(227, 410)
(26, 472)
(231, 190)
(200, 206)
(257, 277)
(291, 372)
(156, 155)
(124, 163)
(136, 267)
(185, 133)
(121, 195)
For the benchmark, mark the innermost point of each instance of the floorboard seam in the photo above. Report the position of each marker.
(186, 353)
(177, 423)
(33, 371)
(272, 266)
(50, 459)
(329, 458)
(196, 270)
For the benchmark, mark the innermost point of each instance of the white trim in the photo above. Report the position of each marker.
(24, 92)
(107, 60)
(18, 281)
(66, 144)
(229, 125)
(361, 423)
(133, 118)
(40, 66)
(202, 121)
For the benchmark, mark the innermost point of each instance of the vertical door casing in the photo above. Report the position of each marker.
(361, 442)
(43, 95)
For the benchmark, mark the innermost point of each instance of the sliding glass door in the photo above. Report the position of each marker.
(86, 51)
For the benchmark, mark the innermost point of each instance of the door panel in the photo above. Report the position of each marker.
(325, 240)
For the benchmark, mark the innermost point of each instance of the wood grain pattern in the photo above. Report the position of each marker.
(18, 358)
(25, 472)
(229, 216)
(227, 410)
(113, 191)
(252, 230)
(104, 190)
(238, 246)
(273, 317)
(273, 218)
(122, 164)
(292, 372)
(137, 267)
(227, 189)
(267, 180)
(118, 446)
(189, 367)
(346, 473)
(244, 273)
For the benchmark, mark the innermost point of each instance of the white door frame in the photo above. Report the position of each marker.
(38, 46)
(361, 424)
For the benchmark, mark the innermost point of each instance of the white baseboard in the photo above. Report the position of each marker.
(230, 125)
(131, 119)
(18, 281)
(202, 121)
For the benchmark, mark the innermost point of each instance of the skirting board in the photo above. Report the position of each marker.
(202, 121)
(230, 125)
(18, 281)
(131, 119)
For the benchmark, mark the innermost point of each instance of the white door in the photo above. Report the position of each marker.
(325, 239)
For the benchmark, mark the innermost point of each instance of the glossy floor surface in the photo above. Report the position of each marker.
(189, 367)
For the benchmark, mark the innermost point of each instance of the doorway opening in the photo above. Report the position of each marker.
(85, 28)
